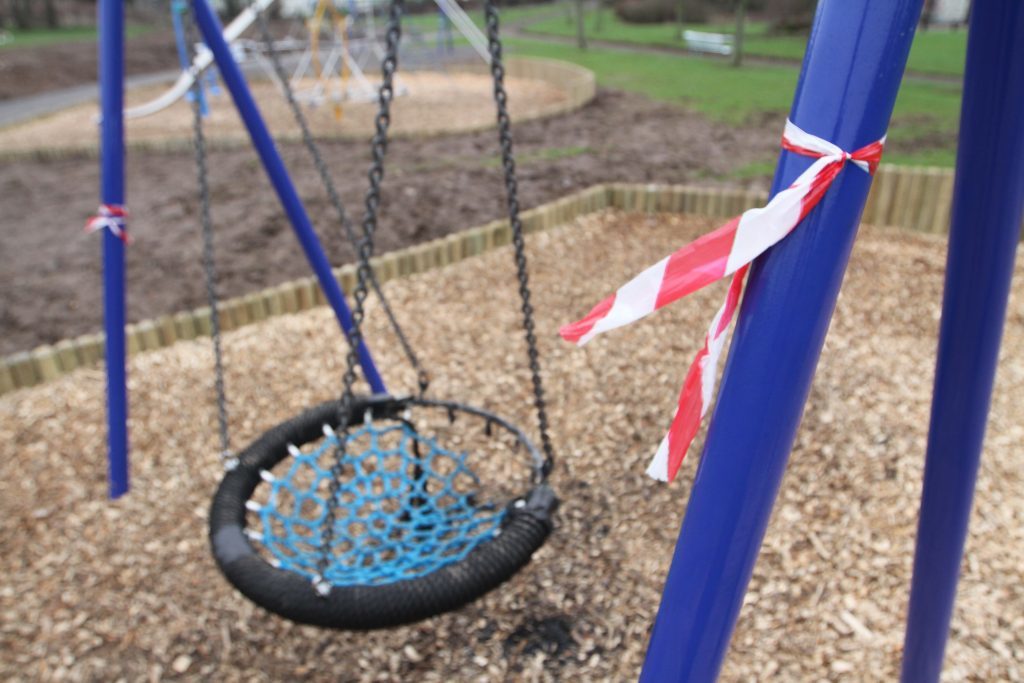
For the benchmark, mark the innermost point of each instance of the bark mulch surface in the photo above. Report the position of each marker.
(93, 590)
(429, 103)
(50, 271)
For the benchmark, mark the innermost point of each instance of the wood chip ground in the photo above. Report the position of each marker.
(94, 590)
(428, 103)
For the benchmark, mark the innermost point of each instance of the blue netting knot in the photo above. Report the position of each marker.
(406, 507)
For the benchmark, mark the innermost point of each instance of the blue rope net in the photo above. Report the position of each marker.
(406, 508)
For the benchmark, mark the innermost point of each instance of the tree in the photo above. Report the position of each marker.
(599, 17)
(232, 7)
(737, 40)
(581, 36)
(21, 14)
(926, 14)
(52, 16)
(790, 16)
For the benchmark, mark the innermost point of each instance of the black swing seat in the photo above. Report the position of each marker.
(412, 537)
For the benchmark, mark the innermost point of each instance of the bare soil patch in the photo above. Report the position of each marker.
(50, 272)
(101, 591)
(33, 70)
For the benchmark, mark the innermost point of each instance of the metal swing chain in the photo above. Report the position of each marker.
(364, 273)
(422, 376)
(512, 193)
(365, 249)
(209, 267)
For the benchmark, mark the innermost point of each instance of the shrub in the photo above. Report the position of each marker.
(790, 16)
(659, 11)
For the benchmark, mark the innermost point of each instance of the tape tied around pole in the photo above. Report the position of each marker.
(113, 217)
(729, 250)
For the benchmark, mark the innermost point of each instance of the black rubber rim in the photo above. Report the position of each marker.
(292, 596)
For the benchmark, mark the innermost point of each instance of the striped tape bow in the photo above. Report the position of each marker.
(111, 217)
(728, 250)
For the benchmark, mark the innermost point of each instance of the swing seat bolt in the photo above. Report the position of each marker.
(323, 588)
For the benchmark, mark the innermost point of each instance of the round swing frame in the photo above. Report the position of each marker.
(523, 531)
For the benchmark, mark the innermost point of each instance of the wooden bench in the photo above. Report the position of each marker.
(715, 43)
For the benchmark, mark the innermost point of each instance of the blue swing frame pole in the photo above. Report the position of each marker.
(111, 60)
(274, 166)
(851, 73)
(984, 234)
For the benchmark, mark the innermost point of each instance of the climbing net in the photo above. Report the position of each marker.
(407, 507)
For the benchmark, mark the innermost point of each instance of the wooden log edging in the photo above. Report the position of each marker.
(915, 199)
(31, 368)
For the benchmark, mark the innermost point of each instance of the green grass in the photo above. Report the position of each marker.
(758, 42)
(711, 87)
(612, 28)
(922, 132)
(542, 155)
(554, 153)
(428, 21)
(755, 169)
(924, 124)
(933, 52)
(425, 24)
(938, 52)
(71, 34)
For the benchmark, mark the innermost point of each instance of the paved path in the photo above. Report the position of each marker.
(24, 108)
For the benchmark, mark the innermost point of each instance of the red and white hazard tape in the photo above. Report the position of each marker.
(728, 250)
(111, 217)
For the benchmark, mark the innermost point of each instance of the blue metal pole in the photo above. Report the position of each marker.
(111, 48)
(233, 79)
(178, 8)
(445, 42)
(851, 73)
(986, 219)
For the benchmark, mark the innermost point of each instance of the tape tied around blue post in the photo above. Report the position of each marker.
(847, 89)
(111, 61)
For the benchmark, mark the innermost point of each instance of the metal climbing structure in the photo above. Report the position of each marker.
(337, 66)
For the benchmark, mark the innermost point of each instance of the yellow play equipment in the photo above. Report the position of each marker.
(336, 20)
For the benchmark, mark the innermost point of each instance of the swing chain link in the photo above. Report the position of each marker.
(422, 376)
(209, 267)
(512, 193)
(364, 274)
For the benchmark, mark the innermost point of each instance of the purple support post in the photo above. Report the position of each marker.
(847, 89)
(985, 230)
(111, 49)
